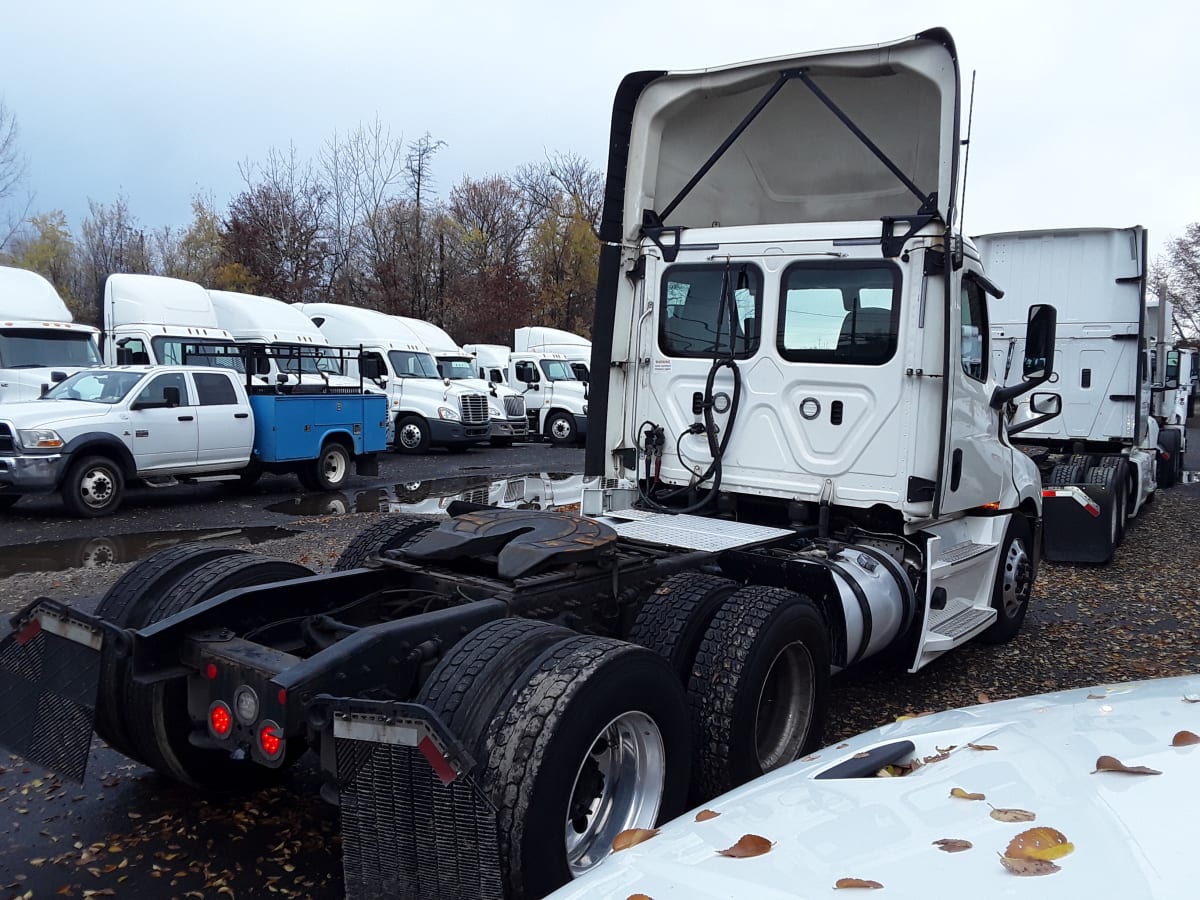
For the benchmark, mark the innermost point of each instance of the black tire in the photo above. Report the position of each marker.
(1011, 589)
(561, 428)
(8, 500)
(542, 749)
(307, 478)
(412, 435)
(93, 487)
(736, 737)
(127, 604)
(1087, 460)
(157, 714)
(248, 477)
(673, 620)
(1064, 474)
(331, 469)
(1114, 509)
(1170, 441)
(388, 534)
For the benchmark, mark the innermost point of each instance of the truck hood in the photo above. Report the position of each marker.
(796, 161)
(17, 385)
(1128, 830)
(52, 413)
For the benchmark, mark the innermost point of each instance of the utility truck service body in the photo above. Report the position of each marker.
(1098, 458)
(815, 471)
(40, 343)
(555, 399)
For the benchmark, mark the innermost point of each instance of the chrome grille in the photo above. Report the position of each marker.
(514, 407)
(475, 409)
(6, 439)
(514, 490)
(475, 495)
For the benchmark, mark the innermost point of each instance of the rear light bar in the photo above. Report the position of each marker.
(270, 740)
(220, 719)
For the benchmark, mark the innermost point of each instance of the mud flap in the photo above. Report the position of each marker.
(49, 675)
(414, 823)
(1075, 524)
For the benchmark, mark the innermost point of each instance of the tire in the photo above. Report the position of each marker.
(388, 534)
(764, 643)
(157, 714)
(585, 698)
(1168, 469)
(1065, 473)
(248, 477)
(673, 620)
(560, 429)
(1087, 460)
(412, 435)
(8, 500)
(127, 605)
(331, 469)
(1013, 583)
(93, 487)
(1115, 508)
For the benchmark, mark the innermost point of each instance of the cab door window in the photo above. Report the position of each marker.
(711, 310)
(973, 346)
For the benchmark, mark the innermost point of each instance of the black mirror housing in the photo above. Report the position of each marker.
(1038, 363)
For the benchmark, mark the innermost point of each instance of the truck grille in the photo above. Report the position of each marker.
(475, 410)
(6, 439)
(514, 407)
(475, 495)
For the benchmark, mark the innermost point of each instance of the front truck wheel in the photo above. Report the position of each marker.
(759, 687)
(1014, 582)
(561, 429)
(595, 742)
(93, 487)
(412, 435)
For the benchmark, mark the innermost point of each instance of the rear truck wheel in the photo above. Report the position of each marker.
(673, 620)
(1168, 465)
(331, 469)
(1114, 510)
(595, 742)
(158, 713)
(1064, 474)
(93, 487)
(560, 428)
(412, 435)
(1013, 584)
(127, 604)
(389, 534)
(759, 688)
(7, 500)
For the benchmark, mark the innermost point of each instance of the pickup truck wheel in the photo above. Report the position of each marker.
(560, 428)
(390, 534)
(158, 713)
(93, 487)
(412, 435)
(674, 618)
(331, 469)
(127, 604)
(595, 742)
(248, 477)
(759, 687)
(7, 500)
(1013, 584)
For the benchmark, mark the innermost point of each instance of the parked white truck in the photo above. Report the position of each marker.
(506, 406)
(425, 409)
(555, 399)
(542, 339)
(155, 320)
(1098, 458)
(40, 343)
(817, 472)
(1170, 375)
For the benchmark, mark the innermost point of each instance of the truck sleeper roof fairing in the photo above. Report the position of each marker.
(859, 134)
(249, 317)
(26, 296)
(157, 300)
(352, 325)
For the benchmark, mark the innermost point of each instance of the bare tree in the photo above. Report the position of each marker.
(565, 175)
(13, 168)
(111, 240)
(1179, 279)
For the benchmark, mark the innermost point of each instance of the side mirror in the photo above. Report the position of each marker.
(1171, 378)
(56, 376)
(371, 367)
(283, 378)
(1038, 364)
(1043, 406)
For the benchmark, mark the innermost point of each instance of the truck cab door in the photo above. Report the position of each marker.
(164, 434)
(224, 423)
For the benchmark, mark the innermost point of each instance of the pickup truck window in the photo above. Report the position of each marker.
(95, 387)
(154, 391)
(844, 312)
(695, 320)
(28, 349)
(214, 389)
(407, 364)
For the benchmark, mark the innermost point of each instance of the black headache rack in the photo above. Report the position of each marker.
(299, 367)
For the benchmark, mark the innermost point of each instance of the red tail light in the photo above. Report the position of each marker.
(270, 740)
(220, 719)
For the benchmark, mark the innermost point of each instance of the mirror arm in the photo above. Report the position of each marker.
(1032, 423)
(1002, 395)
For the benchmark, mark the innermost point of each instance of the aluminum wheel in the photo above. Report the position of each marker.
(785, 707)
(618, 786)
(411, 436)
(97, 486)
(1016, 583)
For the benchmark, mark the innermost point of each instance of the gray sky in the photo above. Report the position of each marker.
(1085, 113)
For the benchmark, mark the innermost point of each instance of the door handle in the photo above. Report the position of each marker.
(241, 415)
(185, 418)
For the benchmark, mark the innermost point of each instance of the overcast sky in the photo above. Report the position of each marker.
(1086, 114)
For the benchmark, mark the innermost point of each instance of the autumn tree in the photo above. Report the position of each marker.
(110, 240)
(46, 246)
(1179, 279)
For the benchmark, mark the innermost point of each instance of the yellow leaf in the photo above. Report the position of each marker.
(982, 746)
(1112, 764)
(1012, 815)
(705, 814)
(857, 883)
(953, 845)
(964, 795)
(1042, 842)
(631, 837)
(1029, 866)
(1185, 739)
(748, 845)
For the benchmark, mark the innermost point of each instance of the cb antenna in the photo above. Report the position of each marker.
(962, 206)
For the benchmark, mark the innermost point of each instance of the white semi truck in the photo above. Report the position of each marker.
(1170, 375)
(796, 394)
(40, 342)
(1098, 459)
(425, 409)
(541, 339)
(556, 401)
(155, 320)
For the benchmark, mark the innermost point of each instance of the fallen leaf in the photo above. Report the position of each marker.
(1185, 739)
(946, 749)
(631, 837)
(857, 883)
(983, 746)
(1112, 764)
(984, 698)
(705, 814)
(1096, 696)
(842, 746)
(953, 845)
(748, 845)
(964, 795)
(639, 897)
(1042, 842)
(1012, 815)
(936, 758)
(861, 755)
(1029, 866)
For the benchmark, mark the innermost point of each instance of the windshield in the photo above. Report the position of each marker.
(171, 351)
(35, 348)
(305, 359)
(558, 370)
(407, 364)
(95, 386)
(456, 368)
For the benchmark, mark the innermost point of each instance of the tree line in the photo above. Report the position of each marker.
(360, 223)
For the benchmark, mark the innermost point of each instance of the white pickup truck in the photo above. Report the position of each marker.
(103, 427)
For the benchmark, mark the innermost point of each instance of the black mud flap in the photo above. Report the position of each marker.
(1075, 524)
(49, 674)
(415, 825)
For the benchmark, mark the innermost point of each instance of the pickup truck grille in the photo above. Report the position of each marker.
(6, 439)
(475, 410)
(514, 407)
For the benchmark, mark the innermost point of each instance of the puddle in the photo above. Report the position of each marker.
(93, 552)
(546, 490)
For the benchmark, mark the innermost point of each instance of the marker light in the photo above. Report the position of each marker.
(270, 741)
(220, 719)
(210, 671)
(245, 702)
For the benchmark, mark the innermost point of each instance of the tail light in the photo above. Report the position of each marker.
(220, 719)
(270, 740)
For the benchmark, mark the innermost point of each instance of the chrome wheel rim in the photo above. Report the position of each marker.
(410, 436)
(560, 428)
(97, 487)
(785, 707)
(619, 785)
(1015, 585)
